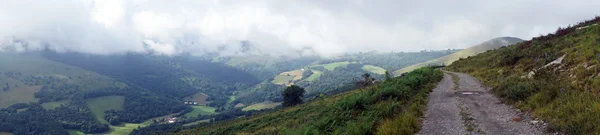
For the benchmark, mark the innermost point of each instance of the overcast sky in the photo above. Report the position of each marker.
(277, 27)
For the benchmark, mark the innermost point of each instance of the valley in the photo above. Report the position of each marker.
(299, 67)
(549, 84)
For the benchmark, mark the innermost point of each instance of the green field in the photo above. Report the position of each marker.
(316, 75)
(201, 110)
(231, 99)
(374, 69)
(332, 66)
(6, 133)
(101, 104)
(123, 129)
(196, 122)
(282, 79)
(52, 105)
(263, 105)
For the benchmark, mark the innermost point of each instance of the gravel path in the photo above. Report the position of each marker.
(442, 115)
(470, 110)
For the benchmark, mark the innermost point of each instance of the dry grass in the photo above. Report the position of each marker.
(198, 97)
(22, 94)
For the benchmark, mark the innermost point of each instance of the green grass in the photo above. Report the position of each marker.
(196, 122)
(123, 129)
(316, 75)
(566, 95)
(75, 132)
(101, 104)
(231, 99)
(360, 111)
(332, 66)
(200, 110)
(262, 105)
(6, 133)
(52, 105)
(374, 69)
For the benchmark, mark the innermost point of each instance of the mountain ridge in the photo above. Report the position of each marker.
(473, 50)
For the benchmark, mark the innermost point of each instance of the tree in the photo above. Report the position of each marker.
(292, 95)
(367, 80)
(367, 76)
(6, 88)
(387, 75)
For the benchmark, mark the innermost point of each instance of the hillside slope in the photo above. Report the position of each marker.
(331, 76)
(448, 59)
(555, 77)
(23, 74)
(392, 107)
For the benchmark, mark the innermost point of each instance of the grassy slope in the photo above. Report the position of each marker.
(332, 66)
(282, 79)
(389, 108)
(374, 69)
(200, 110)
(101, 104)
(32, 65)
(198, 97)
(262, 105)
(566, 95)
(287, 76)
(22, 94)
(39, 66)
(316, 75)
(448, 59)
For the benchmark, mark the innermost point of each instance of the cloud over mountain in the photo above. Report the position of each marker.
(276, 27)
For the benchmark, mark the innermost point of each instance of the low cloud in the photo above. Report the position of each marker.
(276, 27)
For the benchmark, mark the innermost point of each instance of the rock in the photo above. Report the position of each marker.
(534, 122)
(530, 74)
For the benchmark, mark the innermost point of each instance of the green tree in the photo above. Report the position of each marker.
(292, 95)
(387, 75)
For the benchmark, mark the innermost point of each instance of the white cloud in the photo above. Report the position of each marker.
(108, 12)
(277, 27)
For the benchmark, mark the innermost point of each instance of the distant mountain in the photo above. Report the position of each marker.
(448, 59)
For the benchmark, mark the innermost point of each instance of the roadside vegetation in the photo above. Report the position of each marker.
(556, 76)
(391, 107)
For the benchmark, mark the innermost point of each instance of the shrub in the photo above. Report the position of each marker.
(516, 89)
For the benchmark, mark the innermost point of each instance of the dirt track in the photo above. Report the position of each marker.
(470, 109)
